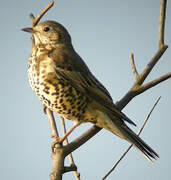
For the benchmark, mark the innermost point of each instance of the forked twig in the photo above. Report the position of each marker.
(123, 155)
(133, 67)
(138, 87)
(36, 20)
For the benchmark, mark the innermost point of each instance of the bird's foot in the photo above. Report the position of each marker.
(56, 140)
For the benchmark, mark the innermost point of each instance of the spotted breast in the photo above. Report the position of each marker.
(55, 93)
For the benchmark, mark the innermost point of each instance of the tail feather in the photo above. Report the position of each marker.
(145, 149)
(119, 128)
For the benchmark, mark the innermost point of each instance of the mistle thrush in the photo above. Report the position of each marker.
(65, 85)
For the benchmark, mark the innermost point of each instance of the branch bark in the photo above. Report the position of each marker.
(70, 157)
(58, 153)
(52, 124)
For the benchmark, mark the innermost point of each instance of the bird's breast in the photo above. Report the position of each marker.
(56, 93)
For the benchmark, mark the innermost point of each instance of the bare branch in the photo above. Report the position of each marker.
(151, 64)
(162, 18)
(138, 86)
(57, 156)
(148, 116)
(52, 124)
(70, 157)
(36, 20)
(133, 67)
(63, 129)
(57, 163)
(161, 46)
(124, 154)
(155, 82)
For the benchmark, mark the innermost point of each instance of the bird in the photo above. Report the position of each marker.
(64, 84)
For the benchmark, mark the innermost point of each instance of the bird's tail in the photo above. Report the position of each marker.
(134, 139)
(119, 128)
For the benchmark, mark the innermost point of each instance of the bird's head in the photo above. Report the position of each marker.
(49, 32)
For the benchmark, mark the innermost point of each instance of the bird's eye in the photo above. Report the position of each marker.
(46, 29)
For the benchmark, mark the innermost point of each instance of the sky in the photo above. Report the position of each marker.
(103, 33)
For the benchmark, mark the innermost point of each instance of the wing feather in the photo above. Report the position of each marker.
(72, 68)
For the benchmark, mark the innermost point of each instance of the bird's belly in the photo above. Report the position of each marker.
(59, 96)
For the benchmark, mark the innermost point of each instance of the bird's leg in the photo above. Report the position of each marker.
(60, 140)
(68, 133)
(44, 108)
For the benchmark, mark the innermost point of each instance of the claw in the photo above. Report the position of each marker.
(54, 143)
(58, 140)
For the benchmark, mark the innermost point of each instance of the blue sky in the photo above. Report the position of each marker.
(103, 33)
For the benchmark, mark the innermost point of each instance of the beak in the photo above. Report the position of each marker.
(30, 30)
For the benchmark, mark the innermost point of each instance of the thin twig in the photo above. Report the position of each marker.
(133, 67)
(162, 18)
(36, 20)
(161, 46)
(151, 64)
(123, 155)
(148, 116)
(70, 157)
(52, 124)
(155, 82)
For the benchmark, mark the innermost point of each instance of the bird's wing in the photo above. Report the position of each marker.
(72, 68)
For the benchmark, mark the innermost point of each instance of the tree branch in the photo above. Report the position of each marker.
(70, 157)
(155, 82)
(162, 18)
(150, 65)
(57, 155)
(35, 21)
(52, 124)
(137, 87)
(57, 163)
(133, 67)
